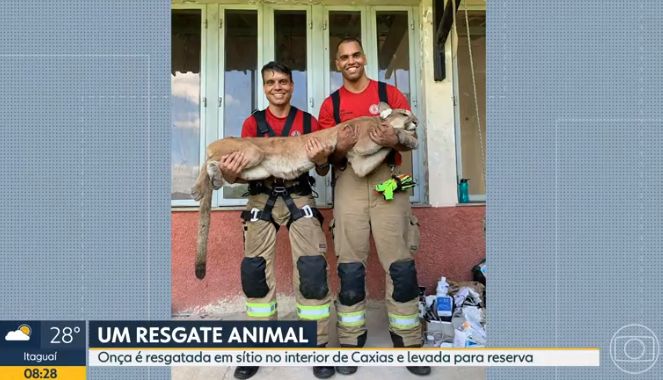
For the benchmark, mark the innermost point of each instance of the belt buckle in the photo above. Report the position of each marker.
(255, 215)
(307, 211)
(280, 189)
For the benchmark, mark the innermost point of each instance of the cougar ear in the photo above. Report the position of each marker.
(384, 110)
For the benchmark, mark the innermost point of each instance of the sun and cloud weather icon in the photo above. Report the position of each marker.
(22, 333)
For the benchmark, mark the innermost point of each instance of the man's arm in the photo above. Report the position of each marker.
(316, 126)
(326, 120)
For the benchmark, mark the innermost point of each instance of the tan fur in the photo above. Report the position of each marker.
(286, 158)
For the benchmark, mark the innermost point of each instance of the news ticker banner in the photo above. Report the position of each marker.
(59, 349)
(367, 357)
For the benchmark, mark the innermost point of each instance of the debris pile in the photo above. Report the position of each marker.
(455, 314)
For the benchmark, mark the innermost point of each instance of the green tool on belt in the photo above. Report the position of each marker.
(396, 183)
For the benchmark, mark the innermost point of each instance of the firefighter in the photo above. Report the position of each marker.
(275, 203)
(358, 212)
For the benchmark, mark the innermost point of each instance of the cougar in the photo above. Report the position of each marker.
(286, 158)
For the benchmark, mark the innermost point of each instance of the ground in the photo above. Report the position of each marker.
(378, 336)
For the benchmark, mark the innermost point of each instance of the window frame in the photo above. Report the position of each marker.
(203, 90)
(474, 198)
(326, 71)
(220, 200)
(268, 37)
(415, 88)
(312, 68)
(213, 68)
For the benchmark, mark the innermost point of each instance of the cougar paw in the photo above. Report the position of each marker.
(201, 271)
(196, 194)
(215, 175)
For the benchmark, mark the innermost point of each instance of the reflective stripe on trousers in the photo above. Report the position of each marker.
(403, 321)
(313, 312)
(356, 318)
(261, 309)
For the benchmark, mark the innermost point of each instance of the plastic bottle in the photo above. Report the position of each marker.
(463, 191)
(444, 301)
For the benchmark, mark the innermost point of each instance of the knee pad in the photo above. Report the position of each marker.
(313, 277)
(404, 276)
(353, 277)
(254, 277)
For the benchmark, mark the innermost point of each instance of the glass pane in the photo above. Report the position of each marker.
(185, 100)
(290, 48)
(240, 78)
(342, 24)
(394, 60)
(472, 163)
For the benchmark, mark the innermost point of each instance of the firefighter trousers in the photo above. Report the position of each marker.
(358, 212)
(310, 267)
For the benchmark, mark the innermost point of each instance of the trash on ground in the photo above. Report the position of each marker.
(479, 272)
(455, 314)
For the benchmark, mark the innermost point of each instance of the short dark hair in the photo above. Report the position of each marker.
(279, 67)
(349, 39)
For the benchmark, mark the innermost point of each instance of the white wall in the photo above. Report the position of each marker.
(438, 116)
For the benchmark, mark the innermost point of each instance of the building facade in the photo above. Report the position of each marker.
(218, 48)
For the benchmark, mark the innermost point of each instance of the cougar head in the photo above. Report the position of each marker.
(398, 118)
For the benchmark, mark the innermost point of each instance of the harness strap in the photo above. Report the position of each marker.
(336, 103)
(302, 187)
(307, 122)
(382, 93)
(265, 129)
(284, 192)
(289, 121)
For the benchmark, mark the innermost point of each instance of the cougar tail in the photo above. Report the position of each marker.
(202, 192)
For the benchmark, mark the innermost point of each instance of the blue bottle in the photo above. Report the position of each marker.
(463, 191)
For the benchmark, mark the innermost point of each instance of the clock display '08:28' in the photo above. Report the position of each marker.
(44, 373)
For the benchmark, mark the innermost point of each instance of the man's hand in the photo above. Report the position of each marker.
(347, 138)
(316, 152)
(232, 165)
(384, 135)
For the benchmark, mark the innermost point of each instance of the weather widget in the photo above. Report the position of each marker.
(43, 350)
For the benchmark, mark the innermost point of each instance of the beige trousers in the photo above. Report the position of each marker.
(358, 212)
(310, 267)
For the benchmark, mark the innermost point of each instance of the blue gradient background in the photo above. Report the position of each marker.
(573, 164)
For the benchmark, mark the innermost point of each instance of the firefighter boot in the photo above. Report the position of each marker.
(349, 370)
(416, 370)
(323, 372)
(244, 373)
(346, 370)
